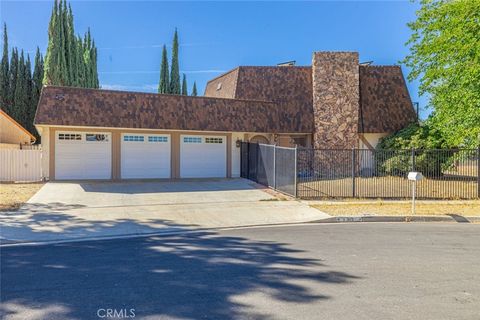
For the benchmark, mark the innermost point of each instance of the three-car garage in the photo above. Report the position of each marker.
(95, 155)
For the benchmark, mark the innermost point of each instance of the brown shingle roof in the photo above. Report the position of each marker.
(289, 86)
(68, 106)
(385, 102)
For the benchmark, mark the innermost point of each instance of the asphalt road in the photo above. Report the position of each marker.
(330, 271)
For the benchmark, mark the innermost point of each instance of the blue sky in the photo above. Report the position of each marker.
(218, 36)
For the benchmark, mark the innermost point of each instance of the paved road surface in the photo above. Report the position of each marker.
(342, 271)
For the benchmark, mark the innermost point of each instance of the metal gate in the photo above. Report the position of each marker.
(269, 165)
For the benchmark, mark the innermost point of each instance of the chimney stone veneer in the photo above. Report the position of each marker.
(336, 100)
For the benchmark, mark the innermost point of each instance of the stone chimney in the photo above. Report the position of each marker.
(336, 100)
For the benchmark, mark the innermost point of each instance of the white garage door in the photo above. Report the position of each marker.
(203, 156)
(80, 155)
(145, 156)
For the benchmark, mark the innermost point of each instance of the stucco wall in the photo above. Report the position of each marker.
(335, 99)
(11, 133)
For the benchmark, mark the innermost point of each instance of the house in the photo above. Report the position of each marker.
(12, 134)
(335, 103)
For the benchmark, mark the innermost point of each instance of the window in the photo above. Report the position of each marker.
(213, 140)
(192, 140)
(96, 137)
(134, 138)
(157, 139)
(300, 141)
(69, 136)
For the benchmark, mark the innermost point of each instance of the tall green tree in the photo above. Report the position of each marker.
(4, 68)
(194, 89)
(37, 79)
(12, 80)
(27, 112)
(70, 40)
(68, 61)
(184, 86)
(175, 69)
(80, 66)
(52, 67)
(445, 57)
(21, 97)
(164, 84)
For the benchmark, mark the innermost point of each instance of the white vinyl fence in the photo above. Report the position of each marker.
(20, 165)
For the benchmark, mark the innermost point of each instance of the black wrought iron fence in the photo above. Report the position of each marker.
(361, 173)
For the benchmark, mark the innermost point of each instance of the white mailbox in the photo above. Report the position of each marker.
(415, 176)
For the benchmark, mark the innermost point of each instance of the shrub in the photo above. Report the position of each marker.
(420, 138)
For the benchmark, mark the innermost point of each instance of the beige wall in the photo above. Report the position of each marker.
(370, 140)
(10, 132)
(9, 146)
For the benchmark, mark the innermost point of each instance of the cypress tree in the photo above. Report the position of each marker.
(4, 83)
(62, 54)
(12, 80)
(27, 114)
(184, 86)
(175, 70)
(70, 47)
(51, 57)
(36, 89)
(194, 89)
(69, 61)
(19, 107)
(81, 69)
(163, 86)
(87, 44)
(93, 61)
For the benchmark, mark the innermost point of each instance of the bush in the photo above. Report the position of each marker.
(421, 138)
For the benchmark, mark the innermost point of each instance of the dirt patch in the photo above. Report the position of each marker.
(470, 208)
(13, 195)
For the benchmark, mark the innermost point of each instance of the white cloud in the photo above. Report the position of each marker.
(156, 72)
(121, 87)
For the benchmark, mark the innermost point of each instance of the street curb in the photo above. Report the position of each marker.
(340, 219)
(442, 218)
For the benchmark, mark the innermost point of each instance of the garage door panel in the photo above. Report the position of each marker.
(145, 156)
(199, 159)
(82, 159)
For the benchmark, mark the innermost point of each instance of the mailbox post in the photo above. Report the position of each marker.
(414, 177)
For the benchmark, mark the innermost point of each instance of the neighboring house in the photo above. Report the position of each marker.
(12, 134)
(335, 103)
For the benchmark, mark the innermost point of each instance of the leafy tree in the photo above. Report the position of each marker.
(175, 69)
(194, 89)
(4, 83)
(164, 85)
(445, 57)
(184, 86)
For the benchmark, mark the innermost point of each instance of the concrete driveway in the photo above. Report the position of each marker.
(75, 210)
